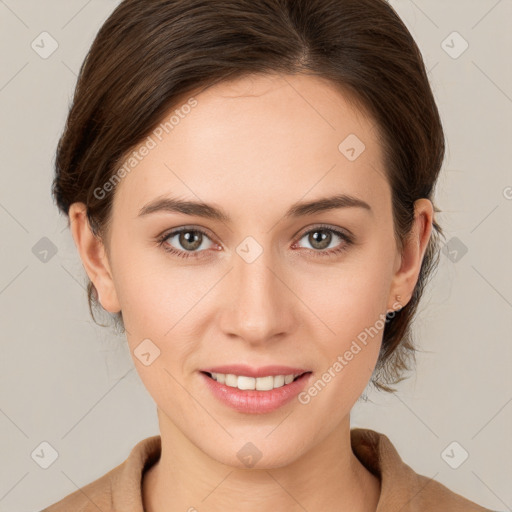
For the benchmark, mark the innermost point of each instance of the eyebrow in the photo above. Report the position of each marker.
(200, 209)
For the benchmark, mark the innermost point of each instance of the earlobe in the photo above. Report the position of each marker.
(415, 245)
(93, 256)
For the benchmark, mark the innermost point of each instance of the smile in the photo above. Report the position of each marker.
(255, 395)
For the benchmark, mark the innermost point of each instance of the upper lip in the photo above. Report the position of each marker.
(248, 371)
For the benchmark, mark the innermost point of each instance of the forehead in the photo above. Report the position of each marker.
(258, 137)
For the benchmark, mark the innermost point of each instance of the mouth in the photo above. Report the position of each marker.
(248, 383)
(255, 390)
(256, 395)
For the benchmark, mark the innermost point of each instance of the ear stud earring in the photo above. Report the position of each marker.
(397, 297)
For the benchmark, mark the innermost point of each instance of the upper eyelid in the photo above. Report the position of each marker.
(326, 227)
(177, 231)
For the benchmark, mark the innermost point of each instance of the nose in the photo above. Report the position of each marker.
(259, 305)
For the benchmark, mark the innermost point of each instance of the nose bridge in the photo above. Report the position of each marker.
(258, 307)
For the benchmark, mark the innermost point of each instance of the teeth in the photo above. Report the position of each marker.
(289, 378)
(260, 383)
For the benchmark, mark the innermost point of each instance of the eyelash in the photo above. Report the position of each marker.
(348, 241)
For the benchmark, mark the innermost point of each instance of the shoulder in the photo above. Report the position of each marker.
(401, 487)
(119, 489)
(96, 495)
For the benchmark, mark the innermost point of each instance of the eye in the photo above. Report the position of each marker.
(321, 237)
(192, 242)
(189, 242)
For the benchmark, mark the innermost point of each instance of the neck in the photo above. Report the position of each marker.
(329, 478)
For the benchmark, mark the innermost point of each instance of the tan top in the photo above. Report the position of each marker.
(401, 488)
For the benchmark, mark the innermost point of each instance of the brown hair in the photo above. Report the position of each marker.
(150, 54)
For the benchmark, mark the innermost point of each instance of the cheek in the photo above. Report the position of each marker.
(351, 296)
(159, 303)
(350, 313)
(150, 295)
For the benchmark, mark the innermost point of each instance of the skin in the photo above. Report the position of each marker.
(253, 147)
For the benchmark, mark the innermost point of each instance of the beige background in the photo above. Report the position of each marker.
(65, 381)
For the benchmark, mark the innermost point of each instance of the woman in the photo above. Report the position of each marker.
(249, 185)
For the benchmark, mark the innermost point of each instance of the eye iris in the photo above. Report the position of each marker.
(186, 237)
(325, 238)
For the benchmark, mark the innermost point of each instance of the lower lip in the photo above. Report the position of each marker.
(253, 401)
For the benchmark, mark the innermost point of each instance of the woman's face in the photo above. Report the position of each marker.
(271, 283)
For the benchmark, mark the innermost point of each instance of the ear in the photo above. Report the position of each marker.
(94, 257)
(409, 261)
